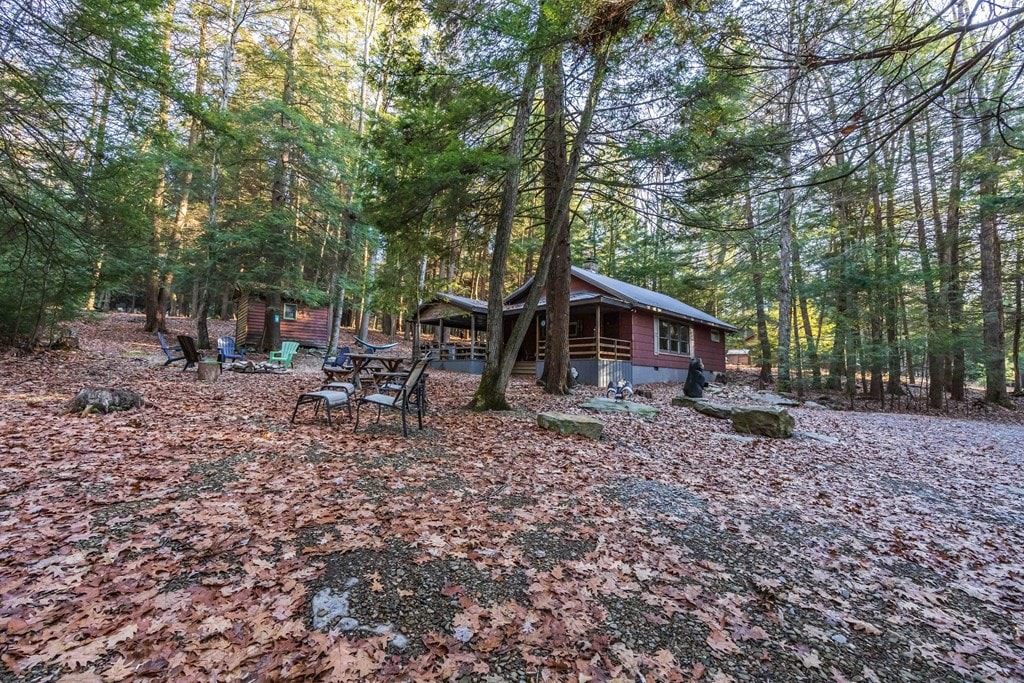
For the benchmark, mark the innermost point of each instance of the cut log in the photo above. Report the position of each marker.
(102, 400)
(208, 370)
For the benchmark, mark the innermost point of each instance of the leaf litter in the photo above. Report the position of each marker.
(192, 538)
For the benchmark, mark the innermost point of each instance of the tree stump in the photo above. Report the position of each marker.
(101, 400)
(208, 370)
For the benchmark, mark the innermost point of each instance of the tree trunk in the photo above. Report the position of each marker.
(494, 382)
(757, 274)
(786, 234)
(1018, 318)
(272, 322)
(931, 296)
(207, 276)
(158, 282)
(556, 351)
(490, 393)
(878, 284)
(892, 281)
(805, 318)
(956, 373)
(991, 270)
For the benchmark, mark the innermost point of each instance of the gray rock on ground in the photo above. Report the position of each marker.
(716, 410)
(685, 401)
(564, 423)
(773, 399)
(104, 400)
(770, 421)
(610, 405)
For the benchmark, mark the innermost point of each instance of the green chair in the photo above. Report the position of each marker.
(284, 356)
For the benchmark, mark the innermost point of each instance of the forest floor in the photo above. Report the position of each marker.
(205, 537)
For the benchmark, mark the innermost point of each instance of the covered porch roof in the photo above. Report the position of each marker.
(454, 311)
(576, 299)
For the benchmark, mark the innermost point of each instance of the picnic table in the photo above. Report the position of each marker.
(369, 365)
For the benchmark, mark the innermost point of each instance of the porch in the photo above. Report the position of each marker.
(453, 329)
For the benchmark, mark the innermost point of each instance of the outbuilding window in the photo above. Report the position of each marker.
(290, 312)
(673, 337)
(716, 336)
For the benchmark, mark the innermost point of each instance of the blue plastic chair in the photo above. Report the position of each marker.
(338, 363)
(171, 351)
(226, 350)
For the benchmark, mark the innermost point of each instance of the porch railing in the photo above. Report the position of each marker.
(603, 348)
(452, 351)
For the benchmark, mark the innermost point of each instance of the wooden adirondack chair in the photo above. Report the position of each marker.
(226, 350)
(170, 351)
(189, 350)
(284, 356)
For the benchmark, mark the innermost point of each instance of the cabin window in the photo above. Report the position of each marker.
(716, 336)
(290, 311)
(673, 337)
(574, 328)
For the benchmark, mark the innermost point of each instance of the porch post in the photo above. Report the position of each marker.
(597, 328)
(536, 337)
(416, 336)
(472, 336)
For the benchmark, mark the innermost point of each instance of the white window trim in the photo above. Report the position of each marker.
(657, 340)
(284, 309)
(716, 333)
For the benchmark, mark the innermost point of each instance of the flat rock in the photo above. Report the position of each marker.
(610, 405)
(772, 421)
(330, 607)
(685, 401)
(716, 410)
(736, 437)
(564, 423)
(817, 437)
(773, 399)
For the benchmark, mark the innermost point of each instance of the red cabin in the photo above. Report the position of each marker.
(307, 325)
(616, 331)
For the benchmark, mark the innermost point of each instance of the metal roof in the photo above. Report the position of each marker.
(575, 298)
(638, 296)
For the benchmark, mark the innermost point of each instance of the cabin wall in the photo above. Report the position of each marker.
(310, 327)
(651, 366)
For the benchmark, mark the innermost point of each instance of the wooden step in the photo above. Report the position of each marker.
(525, 367)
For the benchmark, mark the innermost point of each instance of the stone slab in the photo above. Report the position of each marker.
(564, 423)
(610, 405)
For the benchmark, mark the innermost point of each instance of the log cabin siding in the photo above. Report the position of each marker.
(310, 327)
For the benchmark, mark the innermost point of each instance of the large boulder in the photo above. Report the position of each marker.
(564, 423)
(770, 421)
(716, 410)
(104, 400)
